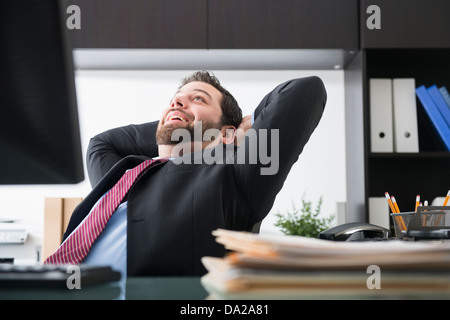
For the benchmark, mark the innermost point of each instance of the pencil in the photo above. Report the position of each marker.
(398, 219)
(444, 204)
(402, 223)
(395, 204)
(446, 198)
(417, 202)
(390, 202)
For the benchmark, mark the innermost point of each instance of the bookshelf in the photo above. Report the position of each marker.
(405, 47)
(407, 174)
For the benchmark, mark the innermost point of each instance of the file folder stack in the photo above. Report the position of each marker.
(438, 111)
(293, 267)
(393, 115)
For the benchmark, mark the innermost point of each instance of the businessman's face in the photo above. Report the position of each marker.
(194, 102)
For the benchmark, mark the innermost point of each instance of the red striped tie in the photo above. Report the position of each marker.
(76, 247)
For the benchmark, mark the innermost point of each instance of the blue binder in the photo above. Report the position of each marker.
(445, 95)
(440, 103)
(435, 116)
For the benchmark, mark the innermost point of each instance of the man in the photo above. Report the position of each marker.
(164, 226)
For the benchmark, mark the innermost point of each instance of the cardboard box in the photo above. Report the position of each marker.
(57, 213)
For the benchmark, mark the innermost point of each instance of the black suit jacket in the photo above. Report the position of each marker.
(172, 209)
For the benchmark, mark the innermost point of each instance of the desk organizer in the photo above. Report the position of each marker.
(430, 222)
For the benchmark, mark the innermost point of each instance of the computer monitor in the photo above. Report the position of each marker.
(39, 130)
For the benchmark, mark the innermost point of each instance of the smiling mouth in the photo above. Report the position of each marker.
(176, 117)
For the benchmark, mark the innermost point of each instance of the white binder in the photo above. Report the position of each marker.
(406, 137)
(379, 212)
(381, 121)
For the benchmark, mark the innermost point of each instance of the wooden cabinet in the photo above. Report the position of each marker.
(178, 24)
(217, 24)
(282, 24)
(407, 24)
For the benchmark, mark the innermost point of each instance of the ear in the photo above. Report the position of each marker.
(228, 134)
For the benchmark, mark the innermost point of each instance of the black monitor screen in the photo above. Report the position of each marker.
(39, 130)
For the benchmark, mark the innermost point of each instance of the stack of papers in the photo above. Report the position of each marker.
(292, 267)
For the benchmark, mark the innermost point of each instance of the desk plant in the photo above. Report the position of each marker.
(303, 222)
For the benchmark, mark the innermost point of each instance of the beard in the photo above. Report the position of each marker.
(164, 133)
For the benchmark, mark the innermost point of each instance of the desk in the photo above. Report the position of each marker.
(171, 288)
(138, 288)
(165, 288)
(98, 292)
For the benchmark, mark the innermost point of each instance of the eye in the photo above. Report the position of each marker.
(199, 98)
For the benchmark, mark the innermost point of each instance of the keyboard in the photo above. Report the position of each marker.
(55, 276)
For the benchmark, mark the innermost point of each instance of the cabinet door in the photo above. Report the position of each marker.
(280, 24)
(140, 24)
(405, 24)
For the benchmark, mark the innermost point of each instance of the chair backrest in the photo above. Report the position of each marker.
(256, 227)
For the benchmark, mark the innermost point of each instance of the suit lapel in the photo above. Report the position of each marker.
(107, 182)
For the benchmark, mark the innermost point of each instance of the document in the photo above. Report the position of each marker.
(284, 267)
(306, 253)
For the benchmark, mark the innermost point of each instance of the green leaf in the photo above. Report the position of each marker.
(304, 223)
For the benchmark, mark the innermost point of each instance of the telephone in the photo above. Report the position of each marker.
(354, 231)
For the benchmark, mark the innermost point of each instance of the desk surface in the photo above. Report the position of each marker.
(137, 288)
(165, 288)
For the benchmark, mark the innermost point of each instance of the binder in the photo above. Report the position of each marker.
(445, 95)
(381, 125)
(435, 116)
(440, 103)
(379, 212)
(406, 136)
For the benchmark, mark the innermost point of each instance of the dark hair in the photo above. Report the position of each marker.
(231, 112)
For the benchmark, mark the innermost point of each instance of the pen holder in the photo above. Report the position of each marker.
(426, 218)
(401, 222)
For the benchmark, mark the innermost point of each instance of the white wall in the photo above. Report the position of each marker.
(108, 99)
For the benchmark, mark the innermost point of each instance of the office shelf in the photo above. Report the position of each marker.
(404, 47)
(411, 156)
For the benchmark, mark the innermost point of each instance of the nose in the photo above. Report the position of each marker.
(178, 102)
